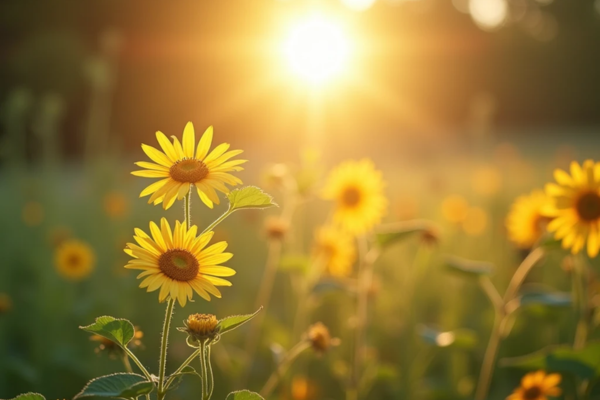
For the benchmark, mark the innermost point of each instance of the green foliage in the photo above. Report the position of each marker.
(122, 385)
(29, 396)
(468, 268)
(584, 363)
(249, 197)
(401, 231)
(120, 331)
(244, 395)
(230, 323)
(294, 262)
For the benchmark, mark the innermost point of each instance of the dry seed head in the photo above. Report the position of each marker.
(320, 338)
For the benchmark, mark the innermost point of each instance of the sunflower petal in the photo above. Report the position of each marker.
(189, 140)
(204, 144)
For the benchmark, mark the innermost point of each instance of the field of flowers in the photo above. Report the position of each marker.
(344, 281)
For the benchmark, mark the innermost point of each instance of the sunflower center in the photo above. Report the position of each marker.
(588, 206)
(532, 393)
(188, 171)
(351, 196)
(179, 265)
(73, 261)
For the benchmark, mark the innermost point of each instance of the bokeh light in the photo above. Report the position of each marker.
(488, 14)
(317, 49)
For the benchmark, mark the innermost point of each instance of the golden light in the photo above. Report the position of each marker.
(317, 49)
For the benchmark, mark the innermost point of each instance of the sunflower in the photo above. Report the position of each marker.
(74, 259)
(526, 222)
(336, 248)
(179, 168)
(537, 386)
(357, 189)
(178, 263)
(575, 207)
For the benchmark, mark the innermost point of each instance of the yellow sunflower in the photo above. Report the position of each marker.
(537, 386)
(357, 189)
(178, 263)
(526, 222)
(74, 259)
(179, 167)
(575, 207)
(336, 247)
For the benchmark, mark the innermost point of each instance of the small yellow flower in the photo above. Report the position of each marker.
(357, 188)
(180, 168)
(303, 389)
(336, 248)
(525, 221)
(115, 205)
(178, 263)
(575, 207)
(537, 386)
(455, 209)
(201, 327)
(74, 259)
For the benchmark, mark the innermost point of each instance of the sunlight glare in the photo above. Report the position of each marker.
(317, 49)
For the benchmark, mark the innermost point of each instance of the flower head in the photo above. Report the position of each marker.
(525, 221)
(537, 386)
(179, 168)
(357, 189)
(201, 327)
(178, 262)
(74, 259)
(320, 338)
(276, 228)
(575, 207)
(336, 248)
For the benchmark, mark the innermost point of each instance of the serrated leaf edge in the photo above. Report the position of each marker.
(79, 395)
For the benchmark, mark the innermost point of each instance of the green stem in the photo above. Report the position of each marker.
(163, 349)
(580, 278)
(218, 221)
(126, 363)
(187, 208)
(203, 370)
(273, 380)
(210, 372)
(138, 363)
(489, 360)
(181, 367)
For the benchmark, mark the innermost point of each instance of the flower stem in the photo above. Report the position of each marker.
(580, 281)
(203, 371)
(489, 359)
(210, 373)
(187, 208)
(218, 221)
(126, 363)
(163, 349)
(273, 380)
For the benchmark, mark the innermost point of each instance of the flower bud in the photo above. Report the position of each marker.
(276, 228)
(320, 339)
(200, 328)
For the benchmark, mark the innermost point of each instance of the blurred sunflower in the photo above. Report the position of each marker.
(336, 247)
(537, 386)
(525, 221)
(74, 259)
(179, 167)
(575, 207)
(357, 189)
(177, 262)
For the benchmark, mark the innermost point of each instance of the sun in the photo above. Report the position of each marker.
(317, 49)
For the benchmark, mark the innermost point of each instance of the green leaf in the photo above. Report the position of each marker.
(584, 363)
(244, 395)
(120, 331)
(249, 197)
(550, 299)
(468, 268)
(230, 323)
(403, 230)
(122, 385)
(29, 396)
